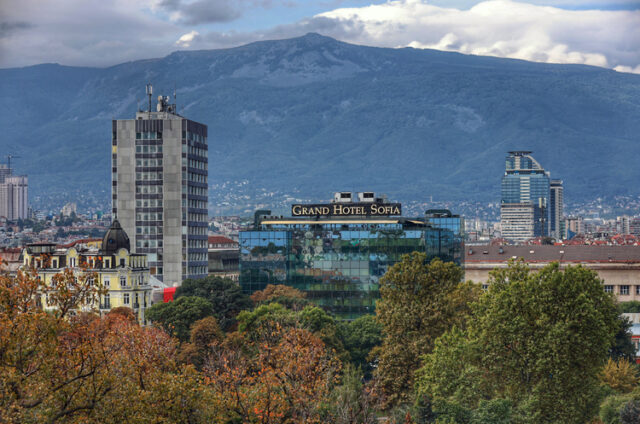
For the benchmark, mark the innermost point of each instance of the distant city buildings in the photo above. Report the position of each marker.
(525, 210)
(521, 221)
(69, 208)
(159, 189)
(14, 195)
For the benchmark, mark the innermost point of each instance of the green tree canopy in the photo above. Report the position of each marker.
(225, 296)
(632, 306)
(177, 317)
(360, 337)
(262, 322)
(419, 301)
(537, 339)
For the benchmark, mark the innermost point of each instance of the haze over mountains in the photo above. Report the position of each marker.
(320, 115)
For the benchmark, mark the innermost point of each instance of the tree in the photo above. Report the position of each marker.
(360, 337)
(177, 317)
(414, 309)
(630, 413)
(78, 368)
(537, 339)
(124, 311)
(350, 402)
(632, 306)
(620, 375)
(287, 296)
(285, 380)
(623, 347)
(204, 334)
(260, 324)
(225, 296)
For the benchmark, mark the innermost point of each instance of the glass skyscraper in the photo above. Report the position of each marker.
(525, 182)
(556, 209)
(338, 261)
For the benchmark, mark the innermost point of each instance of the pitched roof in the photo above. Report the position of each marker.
(220, 240)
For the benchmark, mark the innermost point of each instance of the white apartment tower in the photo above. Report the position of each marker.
(14, 194)
(159, 189)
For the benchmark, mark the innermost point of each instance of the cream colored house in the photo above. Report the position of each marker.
(125, 275)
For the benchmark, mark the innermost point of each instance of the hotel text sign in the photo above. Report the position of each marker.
(348, 209)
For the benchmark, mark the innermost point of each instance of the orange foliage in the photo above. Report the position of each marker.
(273, 291)
(61, 367)
(279, 382)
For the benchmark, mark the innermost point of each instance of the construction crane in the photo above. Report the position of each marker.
(9, 157)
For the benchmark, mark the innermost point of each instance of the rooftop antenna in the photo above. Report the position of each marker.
(9, 157)
(175, 99)
(149, 93)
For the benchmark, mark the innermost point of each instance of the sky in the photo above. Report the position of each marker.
(102, 33)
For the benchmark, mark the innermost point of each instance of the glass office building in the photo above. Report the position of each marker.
(525, 182)
(338, 261)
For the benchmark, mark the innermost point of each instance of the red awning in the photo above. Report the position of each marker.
(168, 294)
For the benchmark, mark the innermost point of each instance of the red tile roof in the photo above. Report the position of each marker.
(220, 240)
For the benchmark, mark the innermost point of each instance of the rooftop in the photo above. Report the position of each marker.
(548, 253)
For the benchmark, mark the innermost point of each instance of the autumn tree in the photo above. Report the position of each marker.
(79, 368)
(203, 335)
(537, 340)
(285, 380)
(287, 296)
(224, 295)
(620, 375)
(415, 307)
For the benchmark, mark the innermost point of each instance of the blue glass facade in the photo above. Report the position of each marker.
(525, 181)
(339, 262)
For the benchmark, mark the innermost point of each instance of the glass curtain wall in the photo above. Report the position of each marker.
(338, 265)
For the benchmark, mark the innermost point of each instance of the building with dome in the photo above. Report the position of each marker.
(110, 263)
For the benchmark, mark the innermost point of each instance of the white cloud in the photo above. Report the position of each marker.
(501, 28)
(628, 69)
(107, 32)
(186, 39)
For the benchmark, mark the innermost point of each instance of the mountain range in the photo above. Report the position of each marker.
(319, 115)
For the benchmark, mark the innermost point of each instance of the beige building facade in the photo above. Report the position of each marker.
(125, 275)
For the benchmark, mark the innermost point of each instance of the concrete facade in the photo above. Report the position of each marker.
(159, 190)
(14, 194)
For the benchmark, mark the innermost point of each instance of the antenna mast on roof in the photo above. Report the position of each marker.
(175, 99)
(149, 93)
(9, 157)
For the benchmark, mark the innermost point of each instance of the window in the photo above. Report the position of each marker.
(123, 281)
(624, 290)
(106, 302)
(637, 289)
(125, 299)
(608, 289)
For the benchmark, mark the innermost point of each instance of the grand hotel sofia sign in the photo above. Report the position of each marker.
(348, 209)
